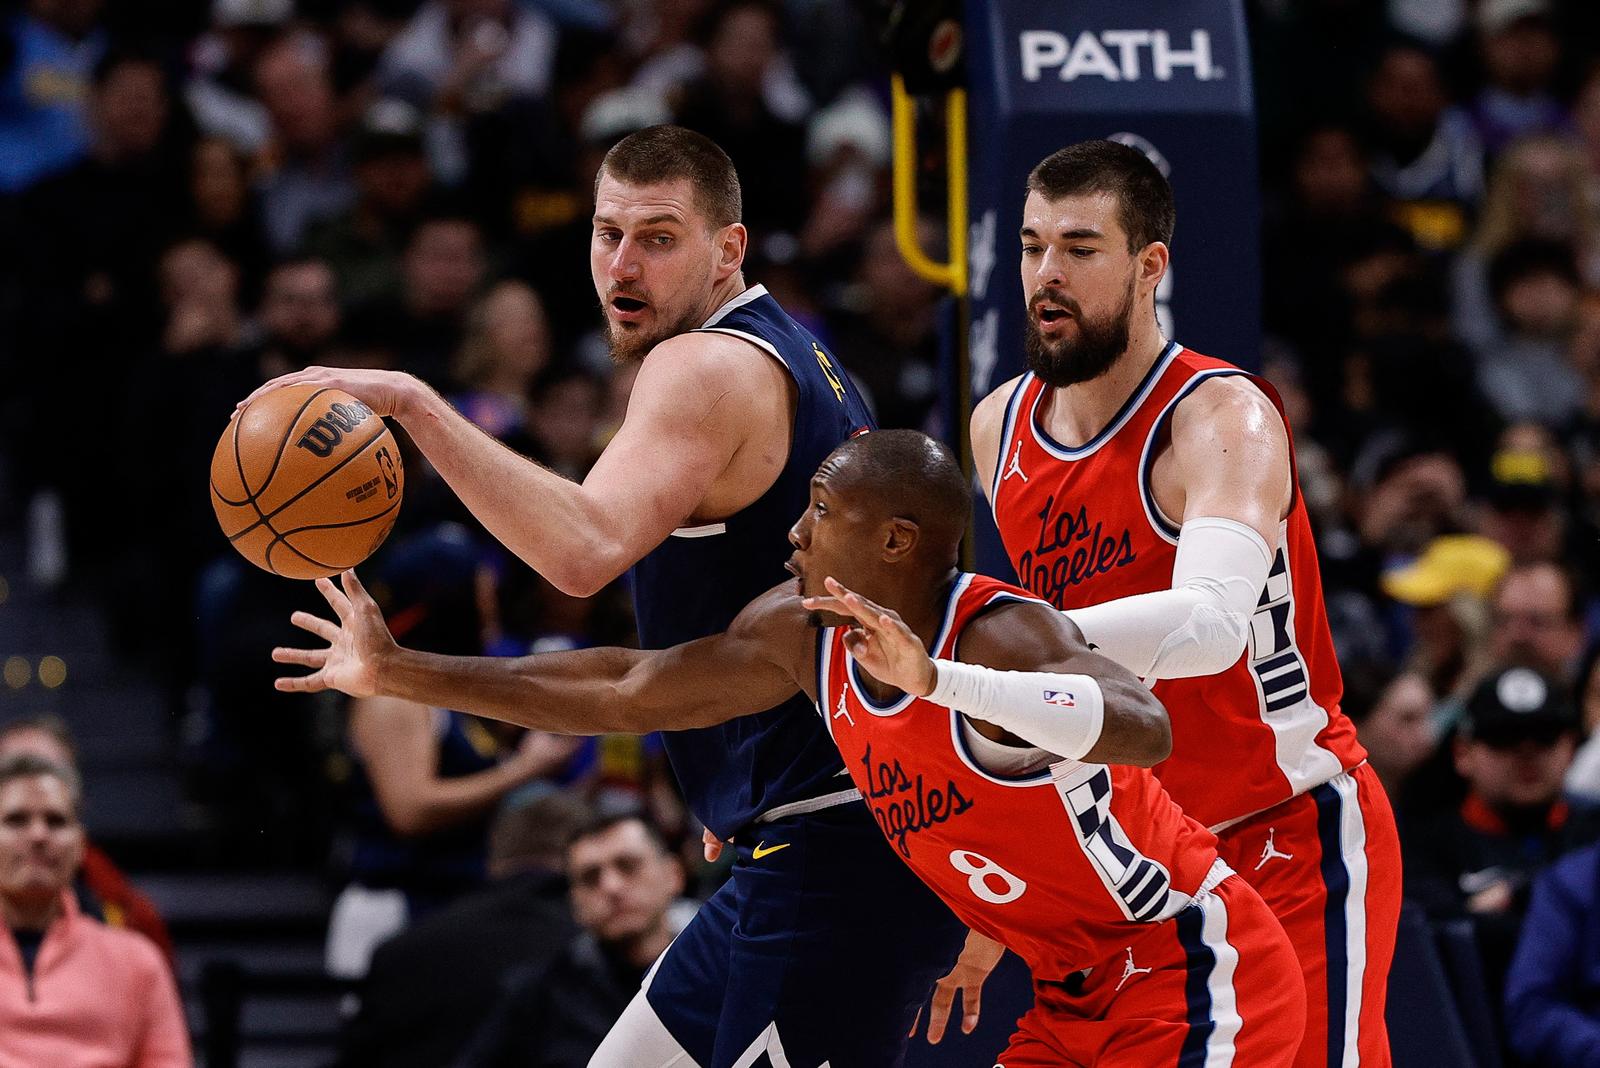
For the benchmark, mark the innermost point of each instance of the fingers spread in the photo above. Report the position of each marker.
(313, 658)
(326, 629)
(335, 597)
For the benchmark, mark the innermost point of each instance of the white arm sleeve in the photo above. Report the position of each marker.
(1060, 713)
(1199, 626)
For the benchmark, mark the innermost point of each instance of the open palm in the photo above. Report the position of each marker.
(357, 643)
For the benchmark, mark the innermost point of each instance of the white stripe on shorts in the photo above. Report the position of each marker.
(1353, 844)
(1224, 1002)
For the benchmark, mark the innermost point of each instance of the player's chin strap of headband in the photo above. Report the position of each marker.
(1199, 626)
(1059, 713)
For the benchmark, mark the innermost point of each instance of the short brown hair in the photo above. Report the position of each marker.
(29, 766)
(1143, 195)
(667, 153)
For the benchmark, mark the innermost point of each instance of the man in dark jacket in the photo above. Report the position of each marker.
(554, 1015)
(1478, 860)
(430, 986)
(1553, 990)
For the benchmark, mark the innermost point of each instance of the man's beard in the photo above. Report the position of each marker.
(1082, 359)
(630, 345)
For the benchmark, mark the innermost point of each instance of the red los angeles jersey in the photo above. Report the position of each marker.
(1063, 865)
(1081, 527)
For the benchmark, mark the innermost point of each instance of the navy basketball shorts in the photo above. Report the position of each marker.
(818, 950)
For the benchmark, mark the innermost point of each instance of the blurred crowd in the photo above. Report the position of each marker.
(198, 195)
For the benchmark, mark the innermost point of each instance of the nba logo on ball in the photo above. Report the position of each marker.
(1060, 697)
(305, 482)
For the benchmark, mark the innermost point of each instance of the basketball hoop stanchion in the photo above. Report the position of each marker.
(951, 274)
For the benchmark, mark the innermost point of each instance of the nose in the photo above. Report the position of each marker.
(624, 264)
(1051, 270)
(797, 534)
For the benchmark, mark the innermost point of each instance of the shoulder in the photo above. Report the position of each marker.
(1227, 407)
(695, 370)
(775, 616)
(991, 411)
(128, 948)
(1019, 635)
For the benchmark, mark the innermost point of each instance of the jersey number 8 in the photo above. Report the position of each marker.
(979, 869)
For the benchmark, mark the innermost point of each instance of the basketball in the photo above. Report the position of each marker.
(306, 481)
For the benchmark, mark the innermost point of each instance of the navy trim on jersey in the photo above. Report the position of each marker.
(1147, 461)
(957, 588)
(1129, 406)
(1201, 961)
(1336, 883)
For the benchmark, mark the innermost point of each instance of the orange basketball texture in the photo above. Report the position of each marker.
(306, 481)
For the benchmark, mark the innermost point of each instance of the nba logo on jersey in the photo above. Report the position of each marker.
(1060, 697)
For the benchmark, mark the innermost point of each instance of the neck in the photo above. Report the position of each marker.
(643, 950)
(30, 915)
(1078, 412)
(922, 605)
(723, 292)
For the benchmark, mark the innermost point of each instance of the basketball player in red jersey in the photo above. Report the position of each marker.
(1145, 947)
(1150, 492)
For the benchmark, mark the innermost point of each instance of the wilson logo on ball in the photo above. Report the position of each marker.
(323, 436)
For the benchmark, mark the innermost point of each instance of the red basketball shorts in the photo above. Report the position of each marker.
(1215, 986)
(1328, 865)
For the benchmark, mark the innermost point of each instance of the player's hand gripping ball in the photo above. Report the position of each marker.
(306, 481)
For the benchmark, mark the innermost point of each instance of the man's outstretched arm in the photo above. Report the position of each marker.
(760, 661)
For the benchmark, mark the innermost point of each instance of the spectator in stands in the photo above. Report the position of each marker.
(735, 103)
(1538, 189)
(1537, 620)
(1528, 373)
(441, 271)
(47, 52)
(72, 990)
(554, 1013)
(506, 347)
(1447, 588)
(1521, 54)
(432, 985)
(563, 422)
(200, 289)
(103, 891)
(310, 178)
(1524, 507)
(1426, 156)
(364, 244)
(224, 210)
(1553, 987)
(428, 780)
(1394, 713)
(219, 89)
(1514, 746)
(886, 331)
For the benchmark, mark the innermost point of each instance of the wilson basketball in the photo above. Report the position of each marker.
(306, 481)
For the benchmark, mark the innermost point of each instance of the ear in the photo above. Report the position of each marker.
(731, 244)
(900, 539)
(1153, 260)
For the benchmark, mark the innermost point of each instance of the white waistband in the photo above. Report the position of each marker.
(810, 804)
(1218, 828)
(1219, 871)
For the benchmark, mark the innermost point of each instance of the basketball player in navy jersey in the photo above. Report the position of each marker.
(821, 945)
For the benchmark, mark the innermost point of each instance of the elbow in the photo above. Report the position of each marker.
(1211, 641)
(586, 574)
(1152, 742)
(407, 821)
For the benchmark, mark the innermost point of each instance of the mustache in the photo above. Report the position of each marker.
(1056, 297)
(626, 291)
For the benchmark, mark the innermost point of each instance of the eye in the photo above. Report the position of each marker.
(1083, 253)
(608, 236)
(1030, 250)
(662, 240)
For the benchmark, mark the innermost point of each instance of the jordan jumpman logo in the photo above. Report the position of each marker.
(843, 710)
(1269, 851)
(1015, 467)
(1129, 971)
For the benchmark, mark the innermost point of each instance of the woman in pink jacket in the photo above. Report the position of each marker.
(74, 993)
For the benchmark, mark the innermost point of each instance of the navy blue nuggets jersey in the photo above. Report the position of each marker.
(698, 580)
